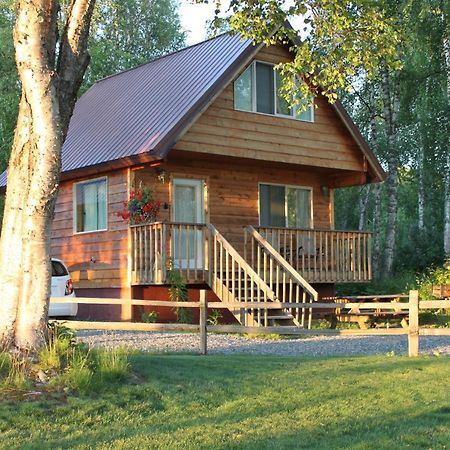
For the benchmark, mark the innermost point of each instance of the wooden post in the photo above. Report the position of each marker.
(413, 332)
(203, 324)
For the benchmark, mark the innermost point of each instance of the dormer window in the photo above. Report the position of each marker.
(258, 90)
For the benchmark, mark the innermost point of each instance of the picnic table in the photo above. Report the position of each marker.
(370, 317)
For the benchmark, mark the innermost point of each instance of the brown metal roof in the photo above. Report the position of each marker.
(137, 111)
(137, 115)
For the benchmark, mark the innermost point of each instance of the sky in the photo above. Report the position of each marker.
(194, 18)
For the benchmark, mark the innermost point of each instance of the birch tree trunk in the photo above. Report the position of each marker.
(376, 226)
(447, 168)
(49, 90)
(364, 196)
(390, 107)
(376, 258)
(421, 189)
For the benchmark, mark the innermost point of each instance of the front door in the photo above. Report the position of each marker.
(187, 208)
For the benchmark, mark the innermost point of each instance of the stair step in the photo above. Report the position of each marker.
(287, 317)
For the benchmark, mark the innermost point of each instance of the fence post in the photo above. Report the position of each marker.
(413, 331)
(203, 323)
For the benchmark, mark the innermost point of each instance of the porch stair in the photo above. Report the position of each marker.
(234, 279)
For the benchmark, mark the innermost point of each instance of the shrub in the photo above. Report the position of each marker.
(178, 293)
(434, 275)
(214, 317)
(149, 317)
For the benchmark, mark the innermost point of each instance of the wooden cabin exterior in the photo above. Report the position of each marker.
(220, 178)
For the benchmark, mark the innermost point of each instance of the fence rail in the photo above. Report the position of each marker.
(412, 306)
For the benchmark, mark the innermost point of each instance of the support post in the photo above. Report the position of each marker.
(413, 332)
(203, 322)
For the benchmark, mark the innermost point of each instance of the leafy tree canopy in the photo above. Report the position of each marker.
(339, 39)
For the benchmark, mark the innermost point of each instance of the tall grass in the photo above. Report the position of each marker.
(63, 365)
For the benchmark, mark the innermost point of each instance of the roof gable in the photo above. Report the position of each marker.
(137, 115)
(139, 111)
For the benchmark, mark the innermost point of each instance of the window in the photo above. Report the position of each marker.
(90, 205)
(58, 269)
(257, 90)
(285, 206)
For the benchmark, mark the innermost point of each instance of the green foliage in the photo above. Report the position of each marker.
(178, 293)
(63, 365)
(149, 317)
(400, 284)
(126, 33)
(214, 317)
(340, 39)
(9, 83)
(433, 276)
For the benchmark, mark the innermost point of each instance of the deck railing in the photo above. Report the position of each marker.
(323, 256)
(287, 284)
(156, 247)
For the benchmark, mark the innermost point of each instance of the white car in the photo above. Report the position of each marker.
(62, 286)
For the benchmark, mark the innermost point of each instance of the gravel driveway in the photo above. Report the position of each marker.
(228, 344)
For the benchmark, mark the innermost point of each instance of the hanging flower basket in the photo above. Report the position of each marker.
(140, 208)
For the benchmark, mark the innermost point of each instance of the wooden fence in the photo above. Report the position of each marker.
(413, 305)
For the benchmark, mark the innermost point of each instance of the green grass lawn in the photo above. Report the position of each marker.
(248, 402)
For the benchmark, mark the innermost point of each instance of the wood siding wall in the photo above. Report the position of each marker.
(222, 130)
(232, 151)
(232, 190)
(109, 248)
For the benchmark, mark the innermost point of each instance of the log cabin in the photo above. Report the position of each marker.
(245, 183)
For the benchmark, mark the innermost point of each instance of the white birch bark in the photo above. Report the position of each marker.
(364, 197)
(447, 168)
(48, 96)
(376, 255)
(390, 106)
(421, 189)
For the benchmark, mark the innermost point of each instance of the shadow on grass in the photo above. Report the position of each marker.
(250, 402)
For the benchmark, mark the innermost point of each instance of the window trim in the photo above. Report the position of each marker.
(254, 99)
(293, 186)
(74, 205)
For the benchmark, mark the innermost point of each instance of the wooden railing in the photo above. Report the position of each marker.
(157, 246)
(323, 256)
(234, 281)
(289, 286)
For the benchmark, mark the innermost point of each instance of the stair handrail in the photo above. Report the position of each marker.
(282, 262)
(245, 265)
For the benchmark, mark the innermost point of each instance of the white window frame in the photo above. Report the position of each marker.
(254, 99)
(293, 186)
(74, 206)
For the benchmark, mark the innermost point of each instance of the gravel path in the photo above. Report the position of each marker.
(233, 344)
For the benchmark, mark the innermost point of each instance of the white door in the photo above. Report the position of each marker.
(187, 207)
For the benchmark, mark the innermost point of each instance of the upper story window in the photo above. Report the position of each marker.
(90, 205)
(258, 90)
